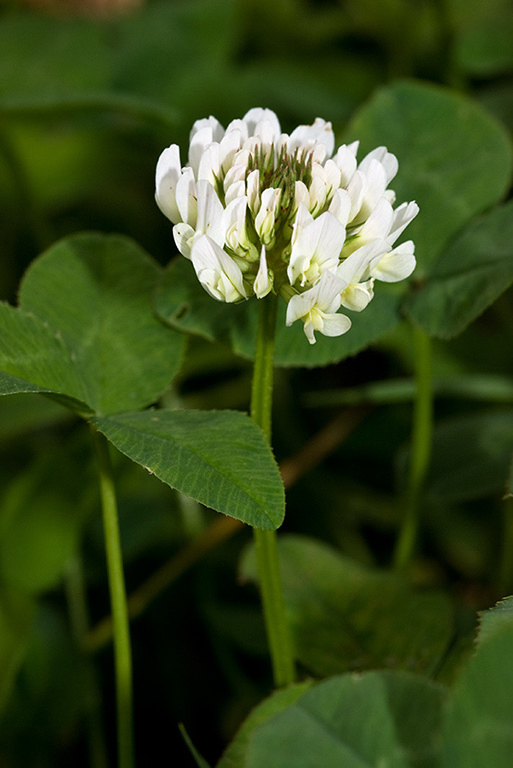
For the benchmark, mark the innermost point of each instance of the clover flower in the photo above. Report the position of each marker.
(257, 210)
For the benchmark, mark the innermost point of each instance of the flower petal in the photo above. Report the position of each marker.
(263, 283)
(216, 271)
(396, 265)
(167, 173)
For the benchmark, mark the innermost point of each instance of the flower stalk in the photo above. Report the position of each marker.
(122, 648)
(420, 450)
(271, 587)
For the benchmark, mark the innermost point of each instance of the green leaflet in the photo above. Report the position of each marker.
(469, 276)
(353, 721)
(85, 330)
(345, 616)
(454, 159)
(220, 458)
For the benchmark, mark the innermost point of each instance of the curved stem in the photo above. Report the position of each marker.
(122, 650)
(420, 450)
(266, 546)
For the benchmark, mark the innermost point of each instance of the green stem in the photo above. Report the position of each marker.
(266, 546)
(122, 650)
(420, 450)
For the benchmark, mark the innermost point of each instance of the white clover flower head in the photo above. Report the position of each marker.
(257, 210)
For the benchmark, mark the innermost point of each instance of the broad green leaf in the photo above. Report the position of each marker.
(354, 721)
(454, 158)
(494, 619)
(219, 458)
(181, 302)
(468, 277)
(16, 616)
(471, 456)
(235, 754)
(85, 329)
(35, 358)
(345, 616)
(478, 723)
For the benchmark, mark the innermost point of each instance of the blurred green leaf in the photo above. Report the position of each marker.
(16, 616)
(55, 689)
(471, 456)
(219, 458)
(345, 616)
(352, 721)
(181, 302)
(235, 754)
(483, 34)
(40, 524)
(478, 723)
(471, 274)
(21, 415)
(85, 329)
(454, 158)
(133, 65)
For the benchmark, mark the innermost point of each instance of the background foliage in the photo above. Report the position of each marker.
(89, 96)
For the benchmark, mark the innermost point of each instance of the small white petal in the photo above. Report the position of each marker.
(265, 220)
(340, 206)
(402, 217)
(215, 127)
(396, 265)
(333, 175)
(256, 116)
(237, 189)
(355, 190)
(375, 184)
(334, 325)
(357, 295)
(167, 173)
(317, 248)
(209, 167)
(230, 144)
(253, 191)
(378, 224)
(187, 197)
(387, 159)
(303, 219)
(301, 195)
(184, 235)
(346, 162)
(356, 266)
(216, 271)
(320, 132)
(263, 283)
(200, 141)
(210, 213)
